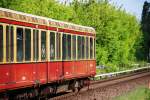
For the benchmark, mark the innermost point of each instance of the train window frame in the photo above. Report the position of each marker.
(3, 44)
(33, 45)
(94, 48)
(22, 60)
(69, 52)
(72, 47)
(41, 45)
(78, 48)
(66, 59)
(26, 45)
(91, 57)
(31, 58)
(60, 46)
(87, 53)
(49, 48)
(83, 48)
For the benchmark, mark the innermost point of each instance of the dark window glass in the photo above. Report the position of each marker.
(52, 45)
(43, 45)
(19, 44)
(74, 46)
(64, 47)
(58, 44)
(79, 47)
(68, 47)
(87, 48)
(12, 44)
(1, 43)
(9, 43)
(83, 48)
(27, 44)
(94, 48)
(35, 45)
(91, 48)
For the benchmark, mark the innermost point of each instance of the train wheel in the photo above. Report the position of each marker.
(4, 96)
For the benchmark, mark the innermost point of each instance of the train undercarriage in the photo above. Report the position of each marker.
(43, 92)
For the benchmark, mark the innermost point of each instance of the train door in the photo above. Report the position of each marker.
(40, 56)
(9, 43)
(5, 41)
(74, 53)
(66, 56)
(87, 54)
(55, 65)
(35, 54)
(59, 55)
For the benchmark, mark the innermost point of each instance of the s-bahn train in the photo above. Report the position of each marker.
(40, 56)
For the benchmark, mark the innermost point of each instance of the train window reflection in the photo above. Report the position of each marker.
(87, 47)
(27, 44)
(64, 46)
(79, 47)
(52, 45)
(19, 44)
(9, 43)
(74, 47)
(58, 46)
(83, 47)
(43, 45)
(69, 47)
(91, 48)
(1, 43)
(35, 45)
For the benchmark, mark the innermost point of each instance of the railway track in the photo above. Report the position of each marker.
(104, 83)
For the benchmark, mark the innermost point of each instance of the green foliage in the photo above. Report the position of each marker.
(145, 23)
(140, 93)
(117, 31)
(117, 34)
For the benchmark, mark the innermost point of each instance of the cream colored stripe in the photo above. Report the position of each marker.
(15, 45)
(55, 47)
(61, 46)
(31, 45)
(47, 46)
(39, 45)
(4, 43)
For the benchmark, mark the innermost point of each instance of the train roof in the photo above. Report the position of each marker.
(24, 17)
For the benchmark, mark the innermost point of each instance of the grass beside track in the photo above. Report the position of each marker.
(141, 93)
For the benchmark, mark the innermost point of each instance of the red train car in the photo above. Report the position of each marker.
(38, 53)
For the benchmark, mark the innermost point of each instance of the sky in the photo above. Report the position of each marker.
(134, 7)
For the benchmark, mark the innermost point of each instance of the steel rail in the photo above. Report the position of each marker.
(109, 82)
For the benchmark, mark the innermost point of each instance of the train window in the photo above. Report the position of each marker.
(69, 47)
(19, 44)
(94, 48)
(58, 46)
(91, 48)
(9, 43)
(27, 44)
(52, 45)
(87, 47)
(1, 43)
(74, 46)
(83, 47)
(64, 46)
(79, 47)
(12, 43)
(35, 45)
(43, 45)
